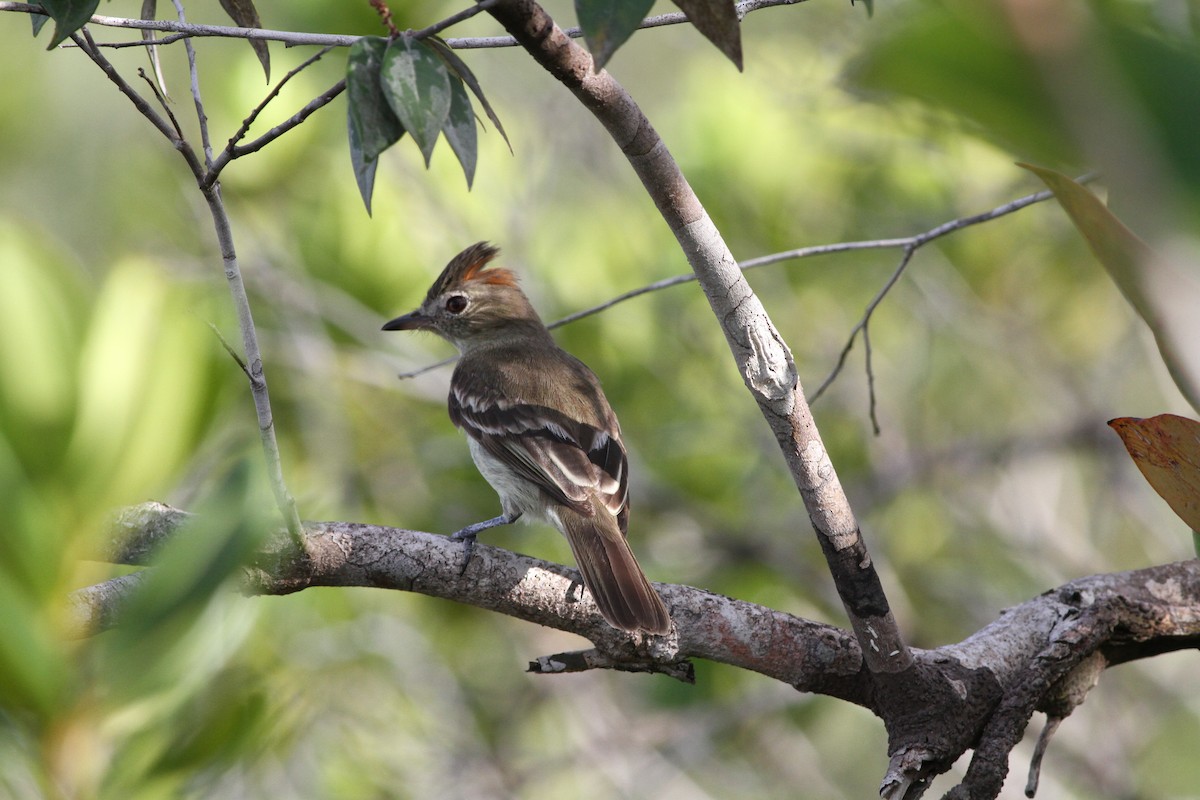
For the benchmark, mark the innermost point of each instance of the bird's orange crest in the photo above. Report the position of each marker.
(469, 266)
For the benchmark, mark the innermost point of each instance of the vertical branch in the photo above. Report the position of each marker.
(763, 358)
(254, 363)
(201, 117)
(211, 190)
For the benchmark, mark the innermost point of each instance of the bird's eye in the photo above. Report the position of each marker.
(456, 304)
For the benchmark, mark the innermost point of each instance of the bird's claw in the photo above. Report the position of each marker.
(467, 537)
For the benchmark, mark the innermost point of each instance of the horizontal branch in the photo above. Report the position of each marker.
(810, 655)
(909, 243)
(183, 30)
(1159, 607)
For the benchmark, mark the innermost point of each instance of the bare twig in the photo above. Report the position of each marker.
(201, 115)
(254, 362)
(258, 109)
(385, 15)
(914, 242)
(234, 150)
(453, 19)
(320, 101)
(1039, 752)
(83, 40)
(229, 349)
(162, 101)
(905, 259)
(911, 244)
(233, 276)
(179, 31)
(866, 334)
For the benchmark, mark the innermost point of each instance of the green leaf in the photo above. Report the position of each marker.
(38, 20)
(718, 21)
(245, 14)
(371, 118)
(364, 166)
(69, 16)
(417, 87)
(461, 69)
(33, 670)
(1164, 293)
(608, 24)
(188, 570)
(460, 129)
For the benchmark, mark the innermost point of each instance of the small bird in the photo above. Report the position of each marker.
(540, 430)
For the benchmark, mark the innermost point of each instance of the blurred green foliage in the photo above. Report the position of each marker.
(997, 360)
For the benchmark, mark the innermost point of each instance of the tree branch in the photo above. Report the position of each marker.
(976, 693)
(762, 357)
(233, 275)
(914, 243)
(234, 150)
(811, 656)
(180, 31)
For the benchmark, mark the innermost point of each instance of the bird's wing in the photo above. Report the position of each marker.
(570, 460)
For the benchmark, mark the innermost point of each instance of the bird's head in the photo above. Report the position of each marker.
(469, 304)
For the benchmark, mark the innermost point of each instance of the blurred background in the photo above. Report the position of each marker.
(997, 360)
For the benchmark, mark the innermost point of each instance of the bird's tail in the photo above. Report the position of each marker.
(611, 573)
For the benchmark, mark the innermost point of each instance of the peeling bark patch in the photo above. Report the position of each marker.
(1168, 591)
(769, 369)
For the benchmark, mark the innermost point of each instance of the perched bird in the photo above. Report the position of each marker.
(540, 430)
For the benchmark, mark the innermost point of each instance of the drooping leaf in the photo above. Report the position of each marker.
(1164, 293)
(718, 21)
(38, 20)
(608, 24)
(460, 129)
(364, 166)
(372, 120)
(245, 14)
(416, 84)
(460, 68)
(1166, 449)
(150, 11)
(69, 16)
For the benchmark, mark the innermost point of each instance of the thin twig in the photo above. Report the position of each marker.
(253, 363)
(246, 123)
(385, 14)
(909, 250)
(911, 245)
(180, 31)
(866, 334)
(914, 242)
(232, 353)
(232, 150)
(201, 116)
(83, 39)
(320, 101)
(1039, 751)
(453, 19)
(162, 101)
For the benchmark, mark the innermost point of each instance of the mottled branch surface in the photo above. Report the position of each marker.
(976, 694)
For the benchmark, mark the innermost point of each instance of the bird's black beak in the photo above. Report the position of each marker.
(413, 321)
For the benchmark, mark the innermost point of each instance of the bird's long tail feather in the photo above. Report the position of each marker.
(612, 574)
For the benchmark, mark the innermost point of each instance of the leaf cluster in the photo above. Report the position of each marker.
(409, 85)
